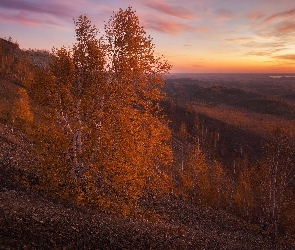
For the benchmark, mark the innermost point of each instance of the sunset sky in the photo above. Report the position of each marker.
(196, 36)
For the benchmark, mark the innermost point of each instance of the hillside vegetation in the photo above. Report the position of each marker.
(98, 151)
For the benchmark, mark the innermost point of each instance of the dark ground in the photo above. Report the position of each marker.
(29, 220)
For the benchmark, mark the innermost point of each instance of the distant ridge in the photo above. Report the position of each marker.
(39, 58)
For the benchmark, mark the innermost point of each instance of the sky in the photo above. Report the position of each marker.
(195, 36)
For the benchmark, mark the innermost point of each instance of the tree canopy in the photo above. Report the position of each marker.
(105, 93)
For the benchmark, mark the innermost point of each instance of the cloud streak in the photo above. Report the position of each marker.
(224, 14)
(265, 48)
(280, 15)
(26, 20)
(285, 28)
(167, 26)
(290, 57)
(60, 11)
(253, 16)
(279, 24)
(240, 40)
(177, 11)
(254, 44)
(258, 53)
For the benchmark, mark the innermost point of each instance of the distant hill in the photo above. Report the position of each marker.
(188, 90)
(39, 58)
(8, 47)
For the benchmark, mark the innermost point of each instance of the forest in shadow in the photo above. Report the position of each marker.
(241, 126)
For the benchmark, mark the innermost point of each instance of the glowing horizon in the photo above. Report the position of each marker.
(209, 36)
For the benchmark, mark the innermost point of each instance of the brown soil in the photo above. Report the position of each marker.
(29, 220)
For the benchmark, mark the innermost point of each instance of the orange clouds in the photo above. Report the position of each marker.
(255, 16)
(170, 26)
(167, 26)
(286, 28)
(286, 57)
(285, 14)
(277, 24)
(195, 36)
(259, 53)
(240, 40)
(273, 36)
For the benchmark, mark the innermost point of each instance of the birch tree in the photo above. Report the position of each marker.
(140, 148)
(78, 75)
(278, 169)
(195, 177)
(105, 92)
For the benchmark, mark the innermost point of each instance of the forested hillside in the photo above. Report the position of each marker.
(99, 151)
(246, 140)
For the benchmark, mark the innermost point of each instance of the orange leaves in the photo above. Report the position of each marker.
(21, 113)
(135, 152)
(42, 87)
(105, 93)
(183, 132)
(131, 60)
(245, 193)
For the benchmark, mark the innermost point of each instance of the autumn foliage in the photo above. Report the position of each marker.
(99, 136)
(103, 95)
(20, 113)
